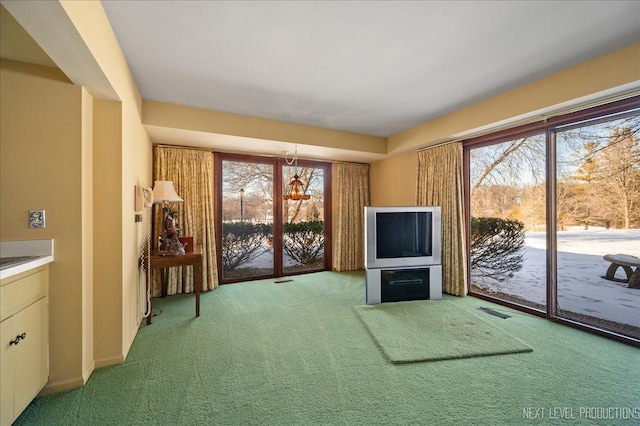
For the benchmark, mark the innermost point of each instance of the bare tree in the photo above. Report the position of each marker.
(531, 210)
(247, 186)
(495, 200)
(256, 182)
(509, 162)
(581, 200)
(573, 199)
(313, 185)
(620, 174)
(602, 175)
(603, 134)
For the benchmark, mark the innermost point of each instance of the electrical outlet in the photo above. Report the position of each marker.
(36, 219)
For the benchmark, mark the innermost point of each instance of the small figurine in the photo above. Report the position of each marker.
(169, 242)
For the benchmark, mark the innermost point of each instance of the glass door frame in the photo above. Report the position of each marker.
(493, 139)
(549, 126)
(278, 227)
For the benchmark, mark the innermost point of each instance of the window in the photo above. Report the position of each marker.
(247, 220)
(303, 222)
(259, 234)
(546, 202)
(597, 213)
(508, 220)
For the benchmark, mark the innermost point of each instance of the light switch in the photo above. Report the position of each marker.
(36, 219)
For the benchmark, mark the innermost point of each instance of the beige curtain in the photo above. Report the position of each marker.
(191, 172)
(352, 183)
(440, 184)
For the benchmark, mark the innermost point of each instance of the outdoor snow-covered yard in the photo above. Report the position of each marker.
(582, 287)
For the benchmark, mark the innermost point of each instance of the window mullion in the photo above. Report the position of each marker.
(552, 255)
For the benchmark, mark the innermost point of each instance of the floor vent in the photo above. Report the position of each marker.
(282, 281)
(494, 313)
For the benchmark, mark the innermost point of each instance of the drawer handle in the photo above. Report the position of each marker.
(17, 339)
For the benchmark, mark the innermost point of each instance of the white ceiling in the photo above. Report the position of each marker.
(371, 67)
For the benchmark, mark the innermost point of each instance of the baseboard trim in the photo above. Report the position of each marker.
(62, 385)
(68, 384)
(108, 362)
(88, 371)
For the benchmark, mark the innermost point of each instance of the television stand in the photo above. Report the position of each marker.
(402, 284)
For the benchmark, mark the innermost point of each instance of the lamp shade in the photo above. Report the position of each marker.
(163, 191)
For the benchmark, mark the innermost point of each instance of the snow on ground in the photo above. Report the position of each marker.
(265, 260)
(582, 287)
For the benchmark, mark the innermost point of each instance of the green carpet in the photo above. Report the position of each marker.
(297, 353)
(433, 330)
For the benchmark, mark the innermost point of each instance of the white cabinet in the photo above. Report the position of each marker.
(24, 340)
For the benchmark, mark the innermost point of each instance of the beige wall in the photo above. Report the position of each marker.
(136, 170)
(393, 180)
(42, 152)
(129, 162)
(73, 147)
(162, 114)
(107, 304)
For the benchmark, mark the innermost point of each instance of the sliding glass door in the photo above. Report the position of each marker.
(508, 221)
(247, 220)
(263, 234)
(547, 202)
(303, 221)
(598, 213)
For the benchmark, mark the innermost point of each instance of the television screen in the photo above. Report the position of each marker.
(403, 234)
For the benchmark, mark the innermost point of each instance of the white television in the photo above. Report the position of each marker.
(398, 237)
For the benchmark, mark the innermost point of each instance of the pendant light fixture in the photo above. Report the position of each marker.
(295, 188)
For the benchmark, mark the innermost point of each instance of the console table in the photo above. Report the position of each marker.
(194, 258)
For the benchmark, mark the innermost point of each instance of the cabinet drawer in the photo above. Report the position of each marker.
(24, 290)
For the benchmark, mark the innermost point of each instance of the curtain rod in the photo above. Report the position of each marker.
(348, 162)
(183, 147)
(439, 144)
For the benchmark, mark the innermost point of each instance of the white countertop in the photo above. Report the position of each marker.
(39, 251)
